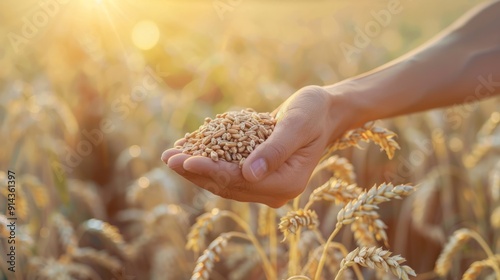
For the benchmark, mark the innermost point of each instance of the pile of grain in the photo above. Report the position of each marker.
(231, 136)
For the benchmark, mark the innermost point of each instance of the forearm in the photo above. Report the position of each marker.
(461, 65)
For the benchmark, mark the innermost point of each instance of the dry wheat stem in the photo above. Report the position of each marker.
(373, 258)
(230, 136)
(295, 220)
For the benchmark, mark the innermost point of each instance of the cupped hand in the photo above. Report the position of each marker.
(277, 170)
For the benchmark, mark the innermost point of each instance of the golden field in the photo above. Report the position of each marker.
(93, 91)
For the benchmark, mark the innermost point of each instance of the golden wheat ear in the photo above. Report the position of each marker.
(295, 220)
(456, 242)
(382, 137)
(477, 267)
(206, 261)
(377, 258)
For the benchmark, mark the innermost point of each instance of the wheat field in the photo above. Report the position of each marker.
(93, 91)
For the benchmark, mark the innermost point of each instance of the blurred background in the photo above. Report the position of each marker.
(93, 91)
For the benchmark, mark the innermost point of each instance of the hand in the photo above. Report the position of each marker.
(279, 169)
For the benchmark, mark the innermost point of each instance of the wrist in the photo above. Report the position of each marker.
(344, 112)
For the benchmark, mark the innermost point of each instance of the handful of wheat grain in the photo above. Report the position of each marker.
(230, 136)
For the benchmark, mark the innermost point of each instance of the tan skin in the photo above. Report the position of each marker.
(462, 64)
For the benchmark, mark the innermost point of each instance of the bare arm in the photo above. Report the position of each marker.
(462, 64)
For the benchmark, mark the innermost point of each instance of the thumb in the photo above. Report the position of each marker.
(270, 155)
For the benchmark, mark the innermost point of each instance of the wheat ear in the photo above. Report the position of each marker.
(334, 190)
(477, 267)
(364, 206)
(203, 225)
(295, 220)
(340, 166)
(368, 230)
(377, 258)
(378, 135)
(367, 202)
(457, 240)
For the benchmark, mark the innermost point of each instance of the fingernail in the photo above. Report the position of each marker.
(258, 168)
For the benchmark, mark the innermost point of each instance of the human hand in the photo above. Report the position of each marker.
(277, 170)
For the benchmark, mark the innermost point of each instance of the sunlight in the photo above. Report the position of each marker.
(145, 35)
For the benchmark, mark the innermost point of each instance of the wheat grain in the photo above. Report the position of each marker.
(230, 136)
(444, 261)
(206, 261)
(294, 220)
(378, 258)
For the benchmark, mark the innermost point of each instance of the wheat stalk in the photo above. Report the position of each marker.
(199, 229)
(377, 258)
(495, 218)
(211, 255)
(367, 202)
(457, 240)
(494, 182)
(293, 221)
(203, 225)
(364, 206)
